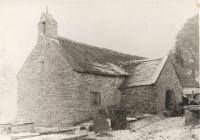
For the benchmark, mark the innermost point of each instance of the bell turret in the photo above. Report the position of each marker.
(47, 27)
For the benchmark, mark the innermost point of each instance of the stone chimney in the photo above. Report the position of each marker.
(47, 27)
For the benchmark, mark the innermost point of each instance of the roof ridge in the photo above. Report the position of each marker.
(82, 43)
(92, 46)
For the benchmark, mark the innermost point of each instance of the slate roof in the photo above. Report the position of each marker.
(90, 59)
(86, 58)
(144, 72)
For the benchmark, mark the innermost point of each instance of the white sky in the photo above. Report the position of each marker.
(141, 27)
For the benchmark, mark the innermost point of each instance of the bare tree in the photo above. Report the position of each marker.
(187, 47)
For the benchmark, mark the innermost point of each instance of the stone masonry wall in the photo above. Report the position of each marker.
(168, 80)
(106, 86)
(55, 95)
(50, 93)
(46, 93)
(140, 99)
(50, 26)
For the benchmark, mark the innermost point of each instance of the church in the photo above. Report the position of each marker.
(64, 82)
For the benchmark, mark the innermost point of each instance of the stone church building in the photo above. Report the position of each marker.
(63, 82)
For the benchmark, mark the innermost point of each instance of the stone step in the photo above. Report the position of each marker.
(22, 127)
(46, 131)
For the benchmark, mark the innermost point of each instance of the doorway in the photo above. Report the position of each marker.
(170, 100)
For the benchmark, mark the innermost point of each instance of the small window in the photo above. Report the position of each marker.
(43, 27)
(95, 98)
(42, 66)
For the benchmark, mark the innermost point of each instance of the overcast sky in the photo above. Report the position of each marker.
(140, 27)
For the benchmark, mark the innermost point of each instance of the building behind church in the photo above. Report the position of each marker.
(63, 82)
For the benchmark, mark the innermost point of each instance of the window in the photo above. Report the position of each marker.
(43, 27)
(42, 66)
(95, 98)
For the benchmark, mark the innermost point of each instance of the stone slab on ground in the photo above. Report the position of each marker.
(100, 124)
(55, 130)
(17, 128)
(23, 135)
(22, 127)
(55, 137)
(5, 128)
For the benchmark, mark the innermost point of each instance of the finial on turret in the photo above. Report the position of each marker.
(46, 10)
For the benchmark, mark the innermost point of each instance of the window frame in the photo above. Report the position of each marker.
(95, 98)
(44, 27)
(42, 66)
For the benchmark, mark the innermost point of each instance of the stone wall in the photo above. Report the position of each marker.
(141, 99)
(50, 93)
(105, 85)
(46, 93)
(192, 114)
(168, 80)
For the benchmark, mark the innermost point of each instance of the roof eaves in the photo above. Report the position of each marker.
(149, 84)
(139, 61)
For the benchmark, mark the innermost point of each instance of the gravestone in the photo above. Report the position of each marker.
(100, 123)
(118, 118)
(5, 128)
(192, 114)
